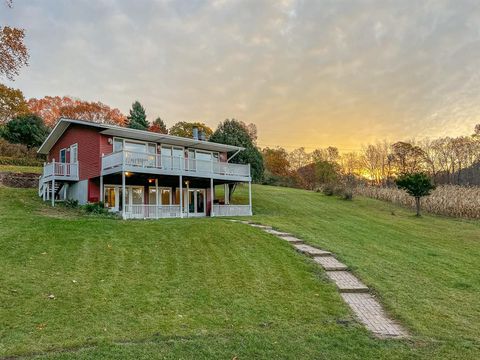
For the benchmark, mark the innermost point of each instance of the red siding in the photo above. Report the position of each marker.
(89, 142)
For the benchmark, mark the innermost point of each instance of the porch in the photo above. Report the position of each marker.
(148, 196)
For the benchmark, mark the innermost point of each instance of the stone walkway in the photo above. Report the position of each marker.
(356, 294)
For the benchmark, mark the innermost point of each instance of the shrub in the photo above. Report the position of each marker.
(328, 190)
(8, 160)
(97, 208)
(70, 203)
(17, 150)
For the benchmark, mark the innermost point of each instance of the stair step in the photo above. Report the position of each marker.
(329, 263)
(292, 239)
(311, 251)
(275, 232)
(346, 282)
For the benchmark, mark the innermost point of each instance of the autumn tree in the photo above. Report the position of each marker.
(276, 161)
(158, 126)
(13, 52)
(12, 103)
(28, 130)
(137, 119)
(299, 158)
(51, 109)
(185, 129)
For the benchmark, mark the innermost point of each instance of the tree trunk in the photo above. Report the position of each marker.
(417, 204)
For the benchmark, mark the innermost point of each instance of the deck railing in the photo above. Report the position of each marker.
(152, 211)
(173, 164)
(61, 170)
(232, 210)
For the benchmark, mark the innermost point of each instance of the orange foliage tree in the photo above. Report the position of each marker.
(13, 52)
(52, 108)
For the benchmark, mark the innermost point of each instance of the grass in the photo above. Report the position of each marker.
(21, 169)
(208, 288)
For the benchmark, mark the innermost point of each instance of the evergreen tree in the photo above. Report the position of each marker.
(26, 129)
(137, 118)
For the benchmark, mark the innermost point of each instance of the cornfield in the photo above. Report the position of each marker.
(449, 200)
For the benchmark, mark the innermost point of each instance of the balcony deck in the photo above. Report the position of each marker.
(172, 165)
(60, 171)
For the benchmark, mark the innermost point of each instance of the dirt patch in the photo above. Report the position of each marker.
(19, 180)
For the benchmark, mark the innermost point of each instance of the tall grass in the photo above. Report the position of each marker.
(450, 200)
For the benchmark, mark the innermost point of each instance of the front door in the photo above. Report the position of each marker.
(196, 202)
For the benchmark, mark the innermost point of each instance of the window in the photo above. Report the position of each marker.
(117, 144)
(135, 147)
(109, 197)
(166, 196)
(63, 156)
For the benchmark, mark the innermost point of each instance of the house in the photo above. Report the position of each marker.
(140, 174)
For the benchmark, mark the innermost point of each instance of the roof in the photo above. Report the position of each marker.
(113, 130)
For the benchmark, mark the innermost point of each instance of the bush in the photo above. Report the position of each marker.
(328, 190)
(70, 203)
(97, 208)
(8, 160)
(17, 150)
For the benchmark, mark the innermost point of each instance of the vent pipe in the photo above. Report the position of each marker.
(195, 133)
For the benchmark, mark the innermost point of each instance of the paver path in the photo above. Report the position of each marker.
(356, 294)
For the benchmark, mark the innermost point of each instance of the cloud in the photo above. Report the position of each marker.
(310, 73)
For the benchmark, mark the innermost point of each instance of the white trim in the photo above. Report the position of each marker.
(75, 145)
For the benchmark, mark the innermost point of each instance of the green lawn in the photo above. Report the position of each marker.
(209, 288)
(21, 169)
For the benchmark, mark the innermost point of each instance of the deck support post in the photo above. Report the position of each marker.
(226, 194)
(250, 196)
(181, 195)
(212, 197)
(123, 195)
(53, 190)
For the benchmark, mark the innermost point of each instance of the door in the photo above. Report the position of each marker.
(196, 202)
(134, 201)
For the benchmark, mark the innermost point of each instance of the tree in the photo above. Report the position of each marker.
(158, 126)
(185, 129)
(12, 103)
(416, 184)
(233, 132)
(52, 108)
(276, 161)
(13, 52)
(137, 118)
(326, 172)
(299, 158)
(27, 129)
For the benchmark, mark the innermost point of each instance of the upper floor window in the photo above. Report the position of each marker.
(63, 156)
(134, 146)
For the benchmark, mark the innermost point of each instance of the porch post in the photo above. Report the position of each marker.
(212, 197)
(123, 195)
(181, 196)
(226, 192)
(101, 188)
(188, 198)
(156, 198)
(250, 196)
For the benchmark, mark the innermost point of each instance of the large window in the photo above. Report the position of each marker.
(134, 146)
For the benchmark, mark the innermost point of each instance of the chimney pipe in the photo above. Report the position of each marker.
(195, 133)
(201, 135)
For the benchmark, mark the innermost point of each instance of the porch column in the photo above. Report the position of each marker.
(101, 188)
(53, 190)
(212, 197)
(226, 196)
(181, 196)
(123, 195)
(188, 197)
(157, 198)
(250, 196)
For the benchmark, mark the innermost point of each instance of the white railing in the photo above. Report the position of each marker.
(152, 211)
(63, 170)
(232, 210)
(173, 163)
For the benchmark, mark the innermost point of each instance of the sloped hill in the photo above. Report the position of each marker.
(209, 288)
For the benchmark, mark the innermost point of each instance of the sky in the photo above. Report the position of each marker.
(307, 73)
